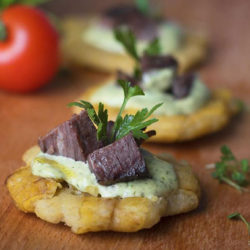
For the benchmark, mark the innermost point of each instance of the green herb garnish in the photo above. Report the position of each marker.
(122, 126)
(132, 123)
(241, 105)
(143, 6)
(154, 48)
(232, 171)
(127, 38)
(241, 217)
(100, 119)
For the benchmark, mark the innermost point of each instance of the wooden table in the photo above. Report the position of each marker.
(25, 117)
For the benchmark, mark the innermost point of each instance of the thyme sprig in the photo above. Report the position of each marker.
(232, 171)
(241, 217)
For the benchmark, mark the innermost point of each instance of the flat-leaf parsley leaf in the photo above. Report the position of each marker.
(135, 124)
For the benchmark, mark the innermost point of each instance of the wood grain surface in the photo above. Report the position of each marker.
(25, 117)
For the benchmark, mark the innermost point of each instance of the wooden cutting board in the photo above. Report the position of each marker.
(25, 117)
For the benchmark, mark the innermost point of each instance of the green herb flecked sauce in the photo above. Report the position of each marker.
(77, 174)
(170, 37)
(112, 95)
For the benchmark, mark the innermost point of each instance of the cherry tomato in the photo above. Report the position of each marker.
(29, 56)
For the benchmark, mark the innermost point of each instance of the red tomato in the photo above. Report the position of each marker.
(29, 56)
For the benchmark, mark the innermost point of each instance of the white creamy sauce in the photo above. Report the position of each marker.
(154, 82)
(77, 174)
(170, 37)
(158, 80)
(112, 95)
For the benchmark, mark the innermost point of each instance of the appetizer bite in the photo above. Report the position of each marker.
(92, 174)
(89, 41)
(189, 108)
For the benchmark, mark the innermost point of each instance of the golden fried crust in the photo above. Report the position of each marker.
(84, 213)
(193, 52)
(212, 117)
(27, 188)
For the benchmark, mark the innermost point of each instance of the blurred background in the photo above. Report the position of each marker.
(225, 22)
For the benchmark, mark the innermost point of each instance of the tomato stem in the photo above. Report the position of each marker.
(3, 32)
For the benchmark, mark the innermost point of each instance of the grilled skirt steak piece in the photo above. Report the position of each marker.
(110, 126)
(118, 162)
(149, 62)
(182, 85)
(75, 138)
(143, 26)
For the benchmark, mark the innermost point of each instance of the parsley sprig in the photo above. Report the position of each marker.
(147, 9)
(241, 105)
(132, 123)
(123, 125)
(143, 6)
(127, 38)
(100, 119)
(232, 171)
(154, 47)
(241, 217)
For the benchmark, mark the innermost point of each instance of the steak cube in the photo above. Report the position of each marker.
(149, 62)
(118, 162)
(143, 26)
(182, 85)
(88, 133)
(75, 138)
